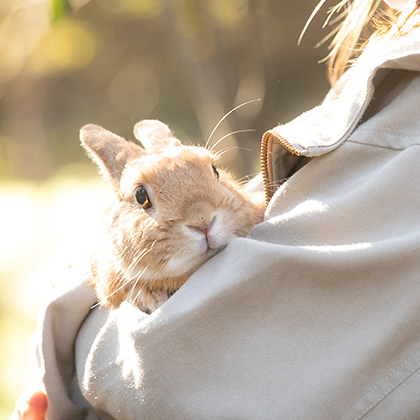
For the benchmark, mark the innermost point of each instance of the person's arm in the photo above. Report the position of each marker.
(53, 350)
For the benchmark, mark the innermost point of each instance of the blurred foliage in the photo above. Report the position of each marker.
(65, 63)
(186, 62)
(59, 8)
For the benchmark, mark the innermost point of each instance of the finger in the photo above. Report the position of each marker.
(31, 406)
(37, 405)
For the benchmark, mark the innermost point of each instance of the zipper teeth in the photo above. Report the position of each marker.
(265, 170)
(265, 160)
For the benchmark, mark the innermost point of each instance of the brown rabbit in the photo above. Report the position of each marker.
(172, 211)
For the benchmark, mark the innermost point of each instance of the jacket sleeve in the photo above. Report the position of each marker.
(53, 350)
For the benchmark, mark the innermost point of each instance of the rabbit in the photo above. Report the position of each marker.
(172, 210)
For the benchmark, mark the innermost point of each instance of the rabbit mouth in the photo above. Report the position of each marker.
(178, 266)
(175, 266)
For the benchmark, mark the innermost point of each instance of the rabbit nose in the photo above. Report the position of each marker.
(204, 228)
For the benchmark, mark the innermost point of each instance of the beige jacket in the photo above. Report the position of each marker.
(314, 316)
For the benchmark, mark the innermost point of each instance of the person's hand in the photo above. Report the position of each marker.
(30, 406)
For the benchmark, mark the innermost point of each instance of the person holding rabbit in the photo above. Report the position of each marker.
(314, 313)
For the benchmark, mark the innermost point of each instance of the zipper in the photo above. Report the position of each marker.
(265, 160)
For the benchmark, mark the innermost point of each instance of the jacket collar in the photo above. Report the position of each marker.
(327, 126)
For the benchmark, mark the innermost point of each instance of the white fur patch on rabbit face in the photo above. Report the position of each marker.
(202, 242)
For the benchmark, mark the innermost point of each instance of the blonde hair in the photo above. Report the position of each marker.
(360, 20)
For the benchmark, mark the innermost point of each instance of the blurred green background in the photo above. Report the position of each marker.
(65, 63)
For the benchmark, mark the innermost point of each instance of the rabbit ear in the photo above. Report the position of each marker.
(110, 152)
(155, 135)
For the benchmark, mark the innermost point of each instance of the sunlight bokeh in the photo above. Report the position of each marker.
(48, 232)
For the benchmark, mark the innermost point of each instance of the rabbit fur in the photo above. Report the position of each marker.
(192, 212)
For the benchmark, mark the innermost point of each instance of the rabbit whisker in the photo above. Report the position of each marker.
(135, 257)
(123, 285)
(136, 261)
(129, 279)
(245, 179)
(230, 134)
(278, 183)
(226, 115)
(134, 286)
(130, 295)
(137, 294)
(219, 154)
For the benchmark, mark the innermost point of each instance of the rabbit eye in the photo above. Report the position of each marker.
(216, 172)
(142, 197)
